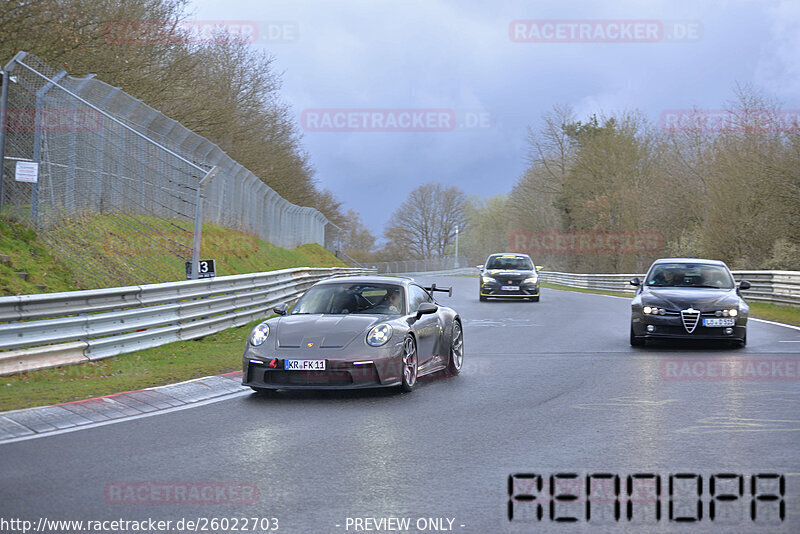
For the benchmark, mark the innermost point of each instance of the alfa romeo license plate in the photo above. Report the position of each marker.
(722, 321)
(509, 288)
(304, 365)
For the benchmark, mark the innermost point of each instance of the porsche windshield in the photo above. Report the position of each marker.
(512, 263)
(689, 275)
(347, 298)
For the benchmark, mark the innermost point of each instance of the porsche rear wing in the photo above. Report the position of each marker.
(432, 288)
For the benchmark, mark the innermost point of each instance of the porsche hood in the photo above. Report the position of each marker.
(323, 331)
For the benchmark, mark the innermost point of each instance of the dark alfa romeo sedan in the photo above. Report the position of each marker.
(689, 298)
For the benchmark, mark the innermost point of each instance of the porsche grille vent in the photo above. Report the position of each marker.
(690, 319)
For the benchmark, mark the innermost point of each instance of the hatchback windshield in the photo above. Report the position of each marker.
(348, 298)
(689, 275)
(510, 263)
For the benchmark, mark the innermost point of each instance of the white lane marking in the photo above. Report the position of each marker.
(715, 425)
(793, 327)
(782, 341)
(130, 418)
(622, 402)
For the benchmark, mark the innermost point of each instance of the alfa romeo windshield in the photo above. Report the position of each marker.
(689, 275)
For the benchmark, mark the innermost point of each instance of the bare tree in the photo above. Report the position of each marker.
(424, 226)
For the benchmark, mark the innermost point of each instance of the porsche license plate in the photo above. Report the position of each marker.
(722, 321)
(304, 365)
(509, 288)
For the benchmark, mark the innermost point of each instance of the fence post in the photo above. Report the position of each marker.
(37, 142)
(198, 221)
(5, 80)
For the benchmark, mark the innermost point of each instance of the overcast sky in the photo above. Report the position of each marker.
(488, 79)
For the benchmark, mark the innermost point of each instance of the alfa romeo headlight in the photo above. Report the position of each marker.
(379, 335)
(259, 334)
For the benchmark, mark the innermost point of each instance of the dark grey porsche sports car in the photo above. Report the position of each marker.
(689, 298)
(355, 332)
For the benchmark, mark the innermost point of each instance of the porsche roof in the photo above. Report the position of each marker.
(372, 279)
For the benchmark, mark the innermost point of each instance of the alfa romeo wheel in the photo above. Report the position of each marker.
(636, 341)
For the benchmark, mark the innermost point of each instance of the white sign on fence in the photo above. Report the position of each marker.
(27, 171)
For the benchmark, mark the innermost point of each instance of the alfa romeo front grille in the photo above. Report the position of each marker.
(690, 318)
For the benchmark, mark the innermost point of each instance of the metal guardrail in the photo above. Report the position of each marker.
(780, 287)
(420, 266)
(48, 330)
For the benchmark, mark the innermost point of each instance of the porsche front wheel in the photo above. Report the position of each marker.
(409, 364)
(456, 350)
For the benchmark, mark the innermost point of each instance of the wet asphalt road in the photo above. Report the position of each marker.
(549, 387)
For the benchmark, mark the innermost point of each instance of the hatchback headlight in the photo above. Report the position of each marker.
(259, 334)
(379, 335)
(532, 280)
(487, 279)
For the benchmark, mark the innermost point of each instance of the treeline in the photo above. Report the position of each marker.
(717, 185)
(218, 86)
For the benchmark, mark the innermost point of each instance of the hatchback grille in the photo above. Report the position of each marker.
(690, 318)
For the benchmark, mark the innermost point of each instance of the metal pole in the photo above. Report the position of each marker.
(6, 79)
(4, 118)
(456, 264)
(198, 221)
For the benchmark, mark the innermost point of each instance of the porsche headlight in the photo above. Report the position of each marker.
(487, 279)
(259, 334)
(379, 335)
(532, 280)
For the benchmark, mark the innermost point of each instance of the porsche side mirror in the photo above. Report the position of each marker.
(281, 308)
(744, 285)
(426, 308)
(635, 281)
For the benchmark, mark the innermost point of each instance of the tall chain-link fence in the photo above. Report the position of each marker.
(109, 165)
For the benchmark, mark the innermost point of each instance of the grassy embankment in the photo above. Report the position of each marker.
(235, 253)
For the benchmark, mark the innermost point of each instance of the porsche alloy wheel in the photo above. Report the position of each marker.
(456, 350)
(409, 364)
